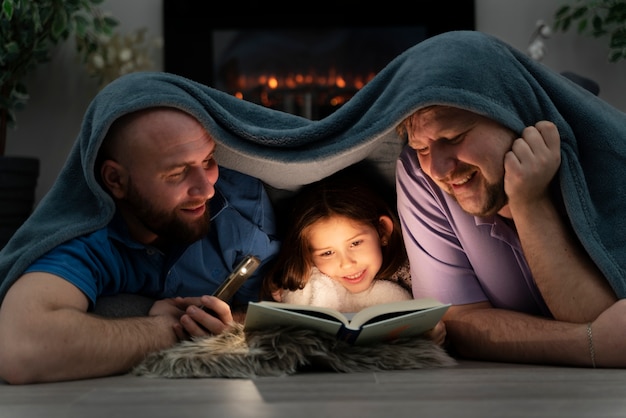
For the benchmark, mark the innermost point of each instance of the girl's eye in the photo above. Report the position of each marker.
(356, 243)
(326, 254)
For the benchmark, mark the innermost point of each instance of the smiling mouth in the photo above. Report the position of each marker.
(463, 181)
(196, 209)
(355, 277)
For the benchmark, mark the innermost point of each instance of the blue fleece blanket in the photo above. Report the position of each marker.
(465, 69)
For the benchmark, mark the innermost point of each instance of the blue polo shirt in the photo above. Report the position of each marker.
(108, 261)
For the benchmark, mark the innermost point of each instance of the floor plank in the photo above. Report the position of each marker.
(471, 389)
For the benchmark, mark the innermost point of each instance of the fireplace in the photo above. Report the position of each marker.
(307, 64)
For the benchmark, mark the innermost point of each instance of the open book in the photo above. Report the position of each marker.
(376, 323)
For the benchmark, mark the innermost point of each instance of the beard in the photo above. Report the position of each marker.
(166, 224)
(495, 200)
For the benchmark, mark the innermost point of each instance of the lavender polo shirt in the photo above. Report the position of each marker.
(458, 258)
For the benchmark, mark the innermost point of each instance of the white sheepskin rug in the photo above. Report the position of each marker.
(285, 351)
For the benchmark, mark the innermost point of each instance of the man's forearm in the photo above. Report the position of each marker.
(508, 336)
(74, 345)
(572, 286)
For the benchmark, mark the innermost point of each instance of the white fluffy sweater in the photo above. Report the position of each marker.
(321, 290)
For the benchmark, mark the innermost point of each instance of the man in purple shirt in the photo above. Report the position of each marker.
(510, 194)
(489, 238)
(457, 257)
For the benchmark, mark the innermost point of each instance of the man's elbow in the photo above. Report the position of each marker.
(17, 364)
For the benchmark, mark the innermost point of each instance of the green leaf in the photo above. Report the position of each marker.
(597, 23)
(20, 93)
(81, 25)
(562, 11)
(12, 48)
(616, 13)
(618, 39)
(7, 8)
(110, 22)
(10, 53)
(59, 24)
(37, 22)
(616, 56)
(579, 12)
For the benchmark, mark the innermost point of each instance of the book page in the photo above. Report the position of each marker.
(409, 325)
(399, 308)
(261, 316)
(320, 312)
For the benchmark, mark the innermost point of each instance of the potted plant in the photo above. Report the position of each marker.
(29, 29)
(597, 18)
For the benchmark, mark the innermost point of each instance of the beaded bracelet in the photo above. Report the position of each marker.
(592, 351)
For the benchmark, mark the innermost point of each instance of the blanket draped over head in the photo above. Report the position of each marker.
(466, 69)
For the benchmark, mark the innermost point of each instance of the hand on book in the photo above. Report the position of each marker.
(437, 334)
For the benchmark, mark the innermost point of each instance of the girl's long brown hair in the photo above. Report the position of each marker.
(338, 195)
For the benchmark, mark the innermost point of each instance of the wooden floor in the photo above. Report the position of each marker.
(471, 389)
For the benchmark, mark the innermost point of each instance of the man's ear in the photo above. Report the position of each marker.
(385, 228)
(114, 177)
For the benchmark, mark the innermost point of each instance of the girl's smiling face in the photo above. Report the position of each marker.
(347, 251)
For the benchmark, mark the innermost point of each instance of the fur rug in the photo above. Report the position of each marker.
(285, 351)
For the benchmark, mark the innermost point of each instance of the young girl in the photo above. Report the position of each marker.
(342, 249)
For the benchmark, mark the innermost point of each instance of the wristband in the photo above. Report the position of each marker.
(592, 351)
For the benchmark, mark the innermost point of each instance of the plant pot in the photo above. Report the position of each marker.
(18, 180)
